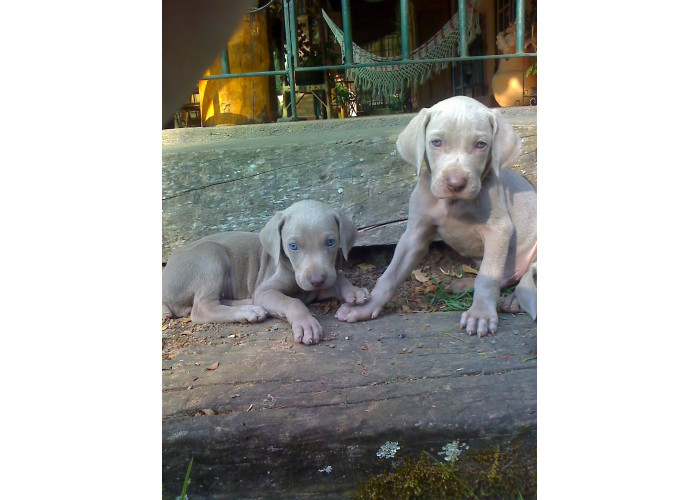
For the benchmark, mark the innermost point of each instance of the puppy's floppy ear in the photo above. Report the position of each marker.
(410, 142)
(270, 235)
(506, 144)
(347, 232)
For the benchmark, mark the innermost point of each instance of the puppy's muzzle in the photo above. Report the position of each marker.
(317, 279)
(456, 182)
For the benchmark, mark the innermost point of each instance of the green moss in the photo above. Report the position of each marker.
(487, 473)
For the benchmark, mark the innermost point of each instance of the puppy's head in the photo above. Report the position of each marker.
(460, 141)
(309, 235)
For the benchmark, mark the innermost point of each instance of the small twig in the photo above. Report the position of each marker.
(457, 338)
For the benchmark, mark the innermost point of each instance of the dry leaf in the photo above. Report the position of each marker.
(186, 320)
(213, 366)
(365, 267)
(430, 288)
(406, 309)
(206, 411)
(420, 276)
(467, 269)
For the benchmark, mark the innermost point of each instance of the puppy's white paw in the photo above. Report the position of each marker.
(307, 330)
(356, 296)
(252, 314)
(351, 313)
(480, 319)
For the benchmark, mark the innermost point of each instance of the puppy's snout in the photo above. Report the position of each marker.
(456, 182)
(317, 279)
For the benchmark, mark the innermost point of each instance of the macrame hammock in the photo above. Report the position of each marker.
(388, 79)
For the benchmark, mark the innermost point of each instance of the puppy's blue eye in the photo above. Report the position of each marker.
(330, 242)
(436, 143)
(293, 247)
(481, 145)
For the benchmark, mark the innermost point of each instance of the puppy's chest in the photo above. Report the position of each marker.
(460, 232)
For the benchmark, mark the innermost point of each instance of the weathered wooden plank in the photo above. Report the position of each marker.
(235, 178)
(281, 411)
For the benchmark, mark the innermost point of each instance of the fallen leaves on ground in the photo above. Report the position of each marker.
(420, 276)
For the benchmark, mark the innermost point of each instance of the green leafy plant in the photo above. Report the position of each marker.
(342, 94)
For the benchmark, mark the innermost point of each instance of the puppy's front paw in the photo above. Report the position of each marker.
(356, 296)
(307, 330)
(480, 319)
(351, 313)
(252, 314)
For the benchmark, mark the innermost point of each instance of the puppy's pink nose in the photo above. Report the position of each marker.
(456, 183)
(317, 279)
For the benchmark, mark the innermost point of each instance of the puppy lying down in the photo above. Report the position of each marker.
(243, 277)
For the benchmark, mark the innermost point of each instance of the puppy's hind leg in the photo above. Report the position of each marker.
(212, 311)
(166, 313)
(525, 296)
(210, 277)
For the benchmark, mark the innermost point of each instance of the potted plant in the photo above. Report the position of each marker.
(515, 81)
(342, 95)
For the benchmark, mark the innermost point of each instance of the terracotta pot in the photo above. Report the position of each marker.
(510, 86)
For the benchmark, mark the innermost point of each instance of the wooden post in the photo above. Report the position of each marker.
(238, 101)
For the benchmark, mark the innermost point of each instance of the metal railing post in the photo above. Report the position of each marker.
(405, 28)
(225, 63)
(346, 23)
(290, 55)
(520, 23)
(463, 26)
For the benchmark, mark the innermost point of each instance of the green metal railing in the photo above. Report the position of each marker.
(292, 49)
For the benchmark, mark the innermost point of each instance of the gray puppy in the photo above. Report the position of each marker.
(241, 277)
(467, 198)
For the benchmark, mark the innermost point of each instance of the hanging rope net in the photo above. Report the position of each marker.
(388, 79)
